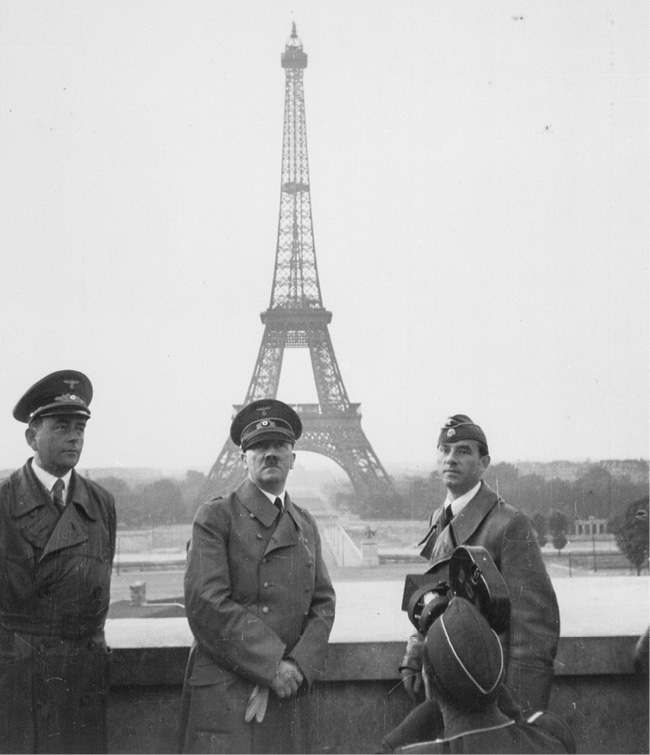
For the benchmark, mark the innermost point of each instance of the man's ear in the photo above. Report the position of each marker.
(244, 460)
(293, 460)
(30, 437)
(486, 462)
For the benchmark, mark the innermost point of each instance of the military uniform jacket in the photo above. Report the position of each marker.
(56, 568)
(543, 733)
(509, 537)
(55, 571)
(256, 593)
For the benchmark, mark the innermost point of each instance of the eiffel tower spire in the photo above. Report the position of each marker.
(297, 319)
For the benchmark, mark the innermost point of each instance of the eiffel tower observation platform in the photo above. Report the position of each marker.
(314, 411)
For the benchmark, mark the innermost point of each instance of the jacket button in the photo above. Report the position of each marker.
(265, 609)
(266, 584)
(259, 537)
(251, 515)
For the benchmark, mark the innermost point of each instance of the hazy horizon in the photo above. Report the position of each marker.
(323, 465)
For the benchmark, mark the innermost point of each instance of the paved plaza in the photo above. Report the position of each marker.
(369, 611)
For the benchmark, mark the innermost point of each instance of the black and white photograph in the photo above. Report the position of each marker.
(325, 381)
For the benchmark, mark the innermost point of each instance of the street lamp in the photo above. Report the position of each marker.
(592, 524)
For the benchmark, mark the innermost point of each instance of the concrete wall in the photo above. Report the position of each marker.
(596, 692)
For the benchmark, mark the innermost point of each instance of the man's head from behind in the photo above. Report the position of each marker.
(463, 658)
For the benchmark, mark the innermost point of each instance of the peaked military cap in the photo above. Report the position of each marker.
(62, 392)
(460, 427)
(266, 419)
(465, 655)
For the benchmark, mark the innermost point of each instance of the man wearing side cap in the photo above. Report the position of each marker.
(57, 542)
(258, 599)
(474, 514)
(463, 672)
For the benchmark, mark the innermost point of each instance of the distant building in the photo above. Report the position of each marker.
(587, 528)
(635, 469)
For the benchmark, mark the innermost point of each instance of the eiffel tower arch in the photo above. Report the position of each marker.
(297, 319)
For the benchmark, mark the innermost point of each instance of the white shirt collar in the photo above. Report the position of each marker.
(459, 503)
(48, 479)
(271, 497)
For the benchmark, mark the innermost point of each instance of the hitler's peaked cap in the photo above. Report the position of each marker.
(465, 656)
(266, 419)
(62, 392)
(460, 427)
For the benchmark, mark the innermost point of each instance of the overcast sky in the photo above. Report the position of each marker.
(479, 181)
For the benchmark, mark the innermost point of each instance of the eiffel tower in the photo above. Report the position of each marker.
(296, 319)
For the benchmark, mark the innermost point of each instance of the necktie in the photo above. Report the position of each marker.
(57, 493)
(279, 505)
(447, 516)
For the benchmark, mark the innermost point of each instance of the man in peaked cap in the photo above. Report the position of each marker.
(57, 541)
(259, 601)
(463, 672)
(474, 514)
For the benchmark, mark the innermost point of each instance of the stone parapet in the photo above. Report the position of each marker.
(360, 699)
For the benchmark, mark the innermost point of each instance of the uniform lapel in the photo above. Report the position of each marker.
(80, 496)
(429, 539)
(71, 529)
(440, 546)
(259, 506)
(29, 494)
(286, 533)
(467, 522)
(256, 503)
(48, 530)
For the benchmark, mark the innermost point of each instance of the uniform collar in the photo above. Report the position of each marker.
(26, 497)
(461, 724)
(282, 496)
(458, 504)
(48, 479)
(257, 502)
(439, 545)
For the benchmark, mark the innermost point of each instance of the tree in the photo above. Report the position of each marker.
(504, 478)
(380, 506)
(163, 501)
(557, 527)
(631, 530)
(126, 500)
(418, 495)
(533, 493)
(193, 488)
(541, 525)
(593, 493)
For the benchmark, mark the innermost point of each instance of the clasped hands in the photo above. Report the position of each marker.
(285, 683)
(287, 679)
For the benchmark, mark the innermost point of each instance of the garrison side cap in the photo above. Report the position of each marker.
(62, 392)
(465, 654)
(460, 427)
(265, 419)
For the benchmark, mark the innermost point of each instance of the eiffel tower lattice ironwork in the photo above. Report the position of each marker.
(296, 319)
